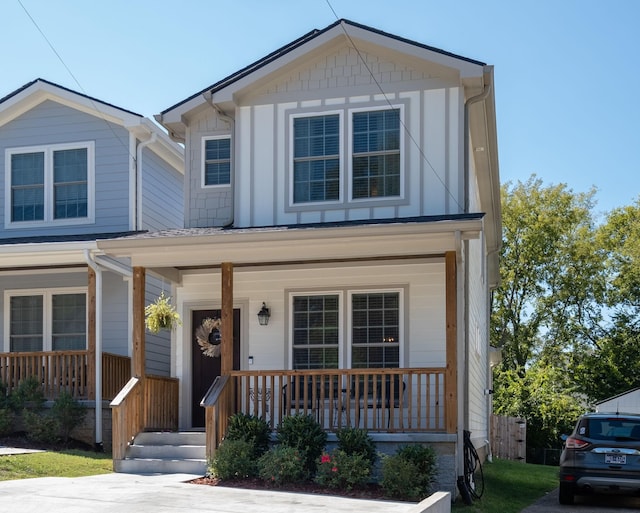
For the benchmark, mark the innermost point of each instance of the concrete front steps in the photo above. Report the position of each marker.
(165, 453)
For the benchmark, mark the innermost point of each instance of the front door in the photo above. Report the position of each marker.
(205, 369)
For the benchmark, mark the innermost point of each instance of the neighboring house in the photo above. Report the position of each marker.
(347, 182)
(627, 402)
(76, 170)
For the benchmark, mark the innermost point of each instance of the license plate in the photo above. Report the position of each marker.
(615, 459)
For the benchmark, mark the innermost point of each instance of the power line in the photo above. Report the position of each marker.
(406, 129)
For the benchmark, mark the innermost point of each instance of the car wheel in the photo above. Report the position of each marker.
(565, 494)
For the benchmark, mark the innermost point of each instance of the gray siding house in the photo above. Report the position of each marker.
(347, 186)
(75, 170)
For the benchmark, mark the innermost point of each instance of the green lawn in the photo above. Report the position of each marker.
(511, 486)
(71, 463)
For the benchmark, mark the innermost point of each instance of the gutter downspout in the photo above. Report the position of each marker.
(138, 193)
(98, 270)
(232, 122)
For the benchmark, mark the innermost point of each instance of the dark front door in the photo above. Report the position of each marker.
(204, 369)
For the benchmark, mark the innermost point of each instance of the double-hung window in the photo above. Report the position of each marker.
(375, 329)
(316, 331)
(316, 158)
(217, 161)
(50, 184)
(375, 165)
(53, 320)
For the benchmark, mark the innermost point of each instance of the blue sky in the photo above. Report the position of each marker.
(567, 71)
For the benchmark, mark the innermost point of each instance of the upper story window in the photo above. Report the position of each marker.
(316, 158)
(376, 154)
(52, 320)
(50, 184)
(217, 161)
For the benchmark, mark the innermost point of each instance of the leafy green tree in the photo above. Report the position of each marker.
(551, 274)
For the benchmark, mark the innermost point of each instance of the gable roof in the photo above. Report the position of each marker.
(309, 37)
(302, 46)
(39, 90)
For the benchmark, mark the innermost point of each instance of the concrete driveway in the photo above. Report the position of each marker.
(124, 493)
(595, 504)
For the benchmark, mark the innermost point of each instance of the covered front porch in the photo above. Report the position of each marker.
(417, 262)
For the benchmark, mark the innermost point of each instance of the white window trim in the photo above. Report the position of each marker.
(401, 317)
(340, 295)
(203, 161)
(403, 173)
(47, 313)
(48, 151)
(292, 118)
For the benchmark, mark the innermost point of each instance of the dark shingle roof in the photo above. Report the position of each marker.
(302, 40)
(83, 237)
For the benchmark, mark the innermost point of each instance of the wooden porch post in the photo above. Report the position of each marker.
(138, 352)
(451, 374)
(226, 349)
(91, 332)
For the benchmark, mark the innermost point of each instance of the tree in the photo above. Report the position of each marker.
(551, 275)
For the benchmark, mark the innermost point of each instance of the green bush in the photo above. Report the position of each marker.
(68, 412)
(409, 473)
(282, 465)
(304, 433)
(6, 421)
(354, 440)
(342, 470)
(4, 396)
(41, 427)
(234, 459)
(252, 429)
(29, 393)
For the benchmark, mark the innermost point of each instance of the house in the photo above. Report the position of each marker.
(342, 217)
(626, 402)
(76, 170)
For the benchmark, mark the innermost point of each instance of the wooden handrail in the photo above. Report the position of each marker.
(126, 409)
(212, 395)
(219, 406)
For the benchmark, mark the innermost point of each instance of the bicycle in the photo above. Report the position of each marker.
(473, 476)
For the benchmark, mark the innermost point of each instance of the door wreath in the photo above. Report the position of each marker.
(202, 337)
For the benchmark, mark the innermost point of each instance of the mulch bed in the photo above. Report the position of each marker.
(371, 492)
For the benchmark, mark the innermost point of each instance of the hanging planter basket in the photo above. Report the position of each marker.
(203, 333)
(161, 315)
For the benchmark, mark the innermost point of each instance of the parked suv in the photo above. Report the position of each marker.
(602, 455)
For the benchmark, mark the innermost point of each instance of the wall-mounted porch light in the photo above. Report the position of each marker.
(263, 315)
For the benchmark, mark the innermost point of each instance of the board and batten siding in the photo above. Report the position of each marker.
(52, 123)
(432, 172)
(162, 194)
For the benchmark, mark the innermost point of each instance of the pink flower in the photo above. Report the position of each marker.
(325, 458)
(334, 469)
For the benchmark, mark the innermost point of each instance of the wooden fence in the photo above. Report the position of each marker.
(509, 438)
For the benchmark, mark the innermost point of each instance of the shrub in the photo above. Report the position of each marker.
(282, 465)
(41, 427)
(28, 394)
(234, 459)
(251, 429)
(304, 433)
(4, 396)
(6, 421)
(68, 412)
(354, 440)
(409, 473)
(342, 470)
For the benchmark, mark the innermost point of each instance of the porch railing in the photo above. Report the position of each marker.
(64, 370)
(160, 403)
(379, 400)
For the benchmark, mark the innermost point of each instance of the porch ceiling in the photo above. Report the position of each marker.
(202, 247)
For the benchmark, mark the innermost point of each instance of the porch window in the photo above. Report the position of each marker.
(376, 154)
(375, 330)
(315, 332)
(316, 158)
(217, 161)
(52, 184)
(48, 321)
